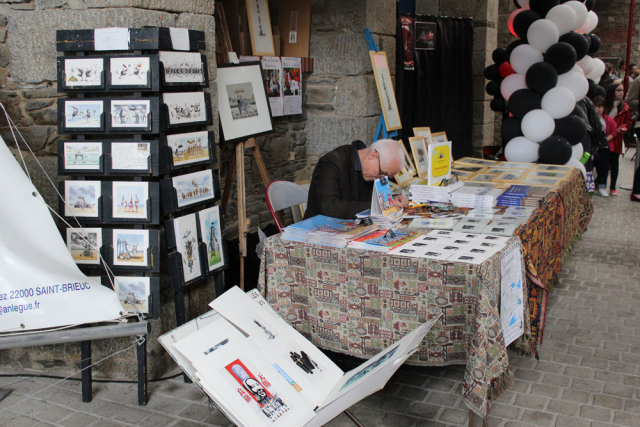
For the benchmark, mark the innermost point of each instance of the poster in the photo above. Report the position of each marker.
(272, 76)
(407, 42)
(511, 294)
(292, 85)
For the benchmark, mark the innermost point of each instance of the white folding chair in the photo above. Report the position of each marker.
(285, 194)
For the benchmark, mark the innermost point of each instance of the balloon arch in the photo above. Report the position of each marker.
(538, 79)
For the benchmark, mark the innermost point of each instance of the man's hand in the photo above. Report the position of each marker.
(400, 201)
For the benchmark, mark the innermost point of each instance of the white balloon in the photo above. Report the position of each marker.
(586, 64)
(577, 69)
(592, 19)
(578, 151)
(523, 57)
(563, 17)
(576, 82)
(520, 149)
(537, 125)
(576, 164)
(559, 102)
(581, 12)
(597, 70)
(542, 34)
(512, 83)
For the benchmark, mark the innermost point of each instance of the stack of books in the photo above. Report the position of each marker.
(323, 230)
(476, 197)
(423, 193)
(523, 195)
(382, 240)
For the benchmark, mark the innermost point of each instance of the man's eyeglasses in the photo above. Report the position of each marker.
(380, 172)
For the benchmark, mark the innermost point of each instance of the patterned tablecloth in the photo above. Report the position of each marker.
(360, 302)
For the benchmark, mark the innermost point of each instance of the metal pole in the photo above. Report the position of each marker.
(630, 33)
(75, 335)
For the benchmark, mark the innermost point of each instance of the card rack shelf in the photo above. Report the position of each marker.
(135, 143)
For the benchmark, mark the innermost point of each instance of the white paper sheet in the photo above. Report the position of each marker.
(179, 38)
(114, 38)
(292, 85)
(272, 76)
(511, 294)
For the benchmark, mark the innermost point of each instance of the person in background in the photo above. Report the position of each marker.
(606, 79)
(617, 109)
(602, 160)
(594, 139)
(635, 193)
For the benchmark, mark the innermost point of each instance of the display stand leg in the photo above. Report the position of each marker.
(142, 372)
(181, 316)
(231, 167)
(242, 209)
(85, 365)
(353, 418)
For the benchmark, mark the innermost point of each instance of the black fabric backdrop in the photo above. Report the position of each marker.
(438, 92)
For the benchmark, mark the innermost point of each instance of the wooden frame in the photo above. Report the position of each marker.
(424, 132)
(439, 137)
(259, 11)
(402, 176)
(385, 90)
(419, 140)
(411, 169)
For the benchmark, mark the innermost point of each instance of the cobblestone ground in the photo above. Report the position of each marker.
(588, 373)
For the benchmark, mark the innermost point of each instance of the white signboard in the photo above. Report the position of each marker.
(511, 294)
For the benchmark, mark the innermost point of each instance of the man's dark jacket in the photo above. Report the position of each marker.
(337, 189)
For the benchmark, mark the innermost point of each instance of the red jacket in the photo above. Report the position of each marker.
(622, 119)
(610, 129)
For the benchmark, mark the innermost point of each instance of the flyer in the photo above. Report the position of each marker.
(292, 85)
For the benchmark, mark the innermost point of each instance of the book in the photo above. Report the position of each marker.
(323, 230)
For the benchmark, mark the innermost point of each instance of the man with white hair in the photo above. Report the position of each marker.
(342, 182)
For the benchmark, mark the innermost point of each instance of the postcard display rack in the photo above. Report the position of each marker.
(132, 95)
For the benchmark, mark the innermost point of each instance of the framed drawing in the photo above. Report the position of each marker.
(514, 176)
(130, 114)
(408, 163)
(81, 115)
(133, 293)
(81, 73)
(483, 177)
(260, 27)
(402, 176)
(130, 199)
(242, 101)
(82, 156)
(468, 169)
(82, 199)
(185, 108)
(130, 157)
(84, 245)
(514, 165)
(186, 235)
(385, 90)
(183, 69)
(425, 133)
(420, 155)
(189, 148)
(556, 168)
(548, 174)
(211, 230)
(194, 187)
(131, 247)
(131, 71)
(439, 137)
(425, 33)
(544, 182)
(477, 162)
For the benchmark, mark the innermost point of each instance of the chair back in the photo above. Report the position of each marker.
(284, 194)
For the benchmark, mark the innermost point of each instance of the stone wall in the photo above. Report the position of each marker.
(613, 29)
(485, 29)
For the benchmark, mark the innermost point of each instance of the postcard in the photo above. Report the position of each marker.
(514, 165)
(186, 234)
(194, 187)
(82, 155)
(81, 198)
(474, 161)
(129, 71)
(130, 199)
(547, 174)
(130, 113)
(513, 176)
(83, 72)
(483, 177)
(464, 168)
(548, 182)
(185, 107)
(84, 244)
(554, 168)
(133, 293)
(439, 223)
(130, 248)
(438, 253)
(211, 230)
(467, 258)
(83, 114)
(182, 67)
(130, 156)
(187, 148)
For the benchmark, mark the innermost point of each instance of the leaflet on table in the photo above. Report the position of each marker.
(511, 294)
(382, 199)
(325, 224)
(471, 225)
(436, 223)
(292, 85)
(378, 238)
(272, 77)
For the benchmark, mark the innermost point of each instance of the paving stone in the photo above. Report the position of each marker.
(610, 402)
(576, 396)
(397, 420)
(632, 405)
(570, 422)
(587, 385)
(528, 375)
(538, 418)
(545, 390)
(579, 372)
(424, 410)
(558, 380)
(454, 416)
(78, 419)
(442, 399)
(413, 393)
(562, 407)
(533, 402)
(598, 414)
(626, 419)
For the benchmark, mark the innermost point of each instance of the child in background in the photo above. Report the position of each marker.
(604, 153)
(617, 109)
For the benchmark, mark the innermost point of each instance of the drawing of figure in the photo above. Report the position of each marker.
(213, 240)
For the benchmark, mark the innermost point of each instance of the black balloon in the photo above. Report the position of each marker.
(572, 128)
(513, 45)
(492, 73)
(541, 77)
(578, 42)
(511, 128)
(589, 4)
(555, 150)
(523, 21)
(542, 6)
(497, 105)
(493, 88)
(499, 55)
(593, 89)
(587, 37)
(595, 44)
(522, 101)
(562, 56)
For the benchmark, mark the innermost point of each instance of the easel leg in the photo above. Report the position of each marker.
(85, 365)
(353, 418)
(231, 167)
(242, 209)
(181, 316)
(142, 373)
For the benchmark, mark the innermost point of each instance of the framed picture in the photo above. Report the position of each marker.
(385, 90)
(130, 199)
(402, 176)
(194, 187)
(84, 245)
(82, 198)
(513, 176)
(468, 169)
(183, 68)
(186, 234)
(130, 71)
(82, 155)
(463, 175)
(83, 114)
(260, 27)
(189, 148)
(185, 107)
(425, 33)
(82, 73)
(133, 293)
(242, 101)
(424, 132)
(483, 177)
(420, 155)
(545, 182)
(514, 165)
(548, 174)
(131, 248)
(408, 163)
(474, 161)
(557, 168)
(439, 137)
(130, 156)
(130, 113)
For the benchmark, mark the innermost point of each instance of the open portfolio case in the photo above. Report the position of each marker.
(260, 371)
